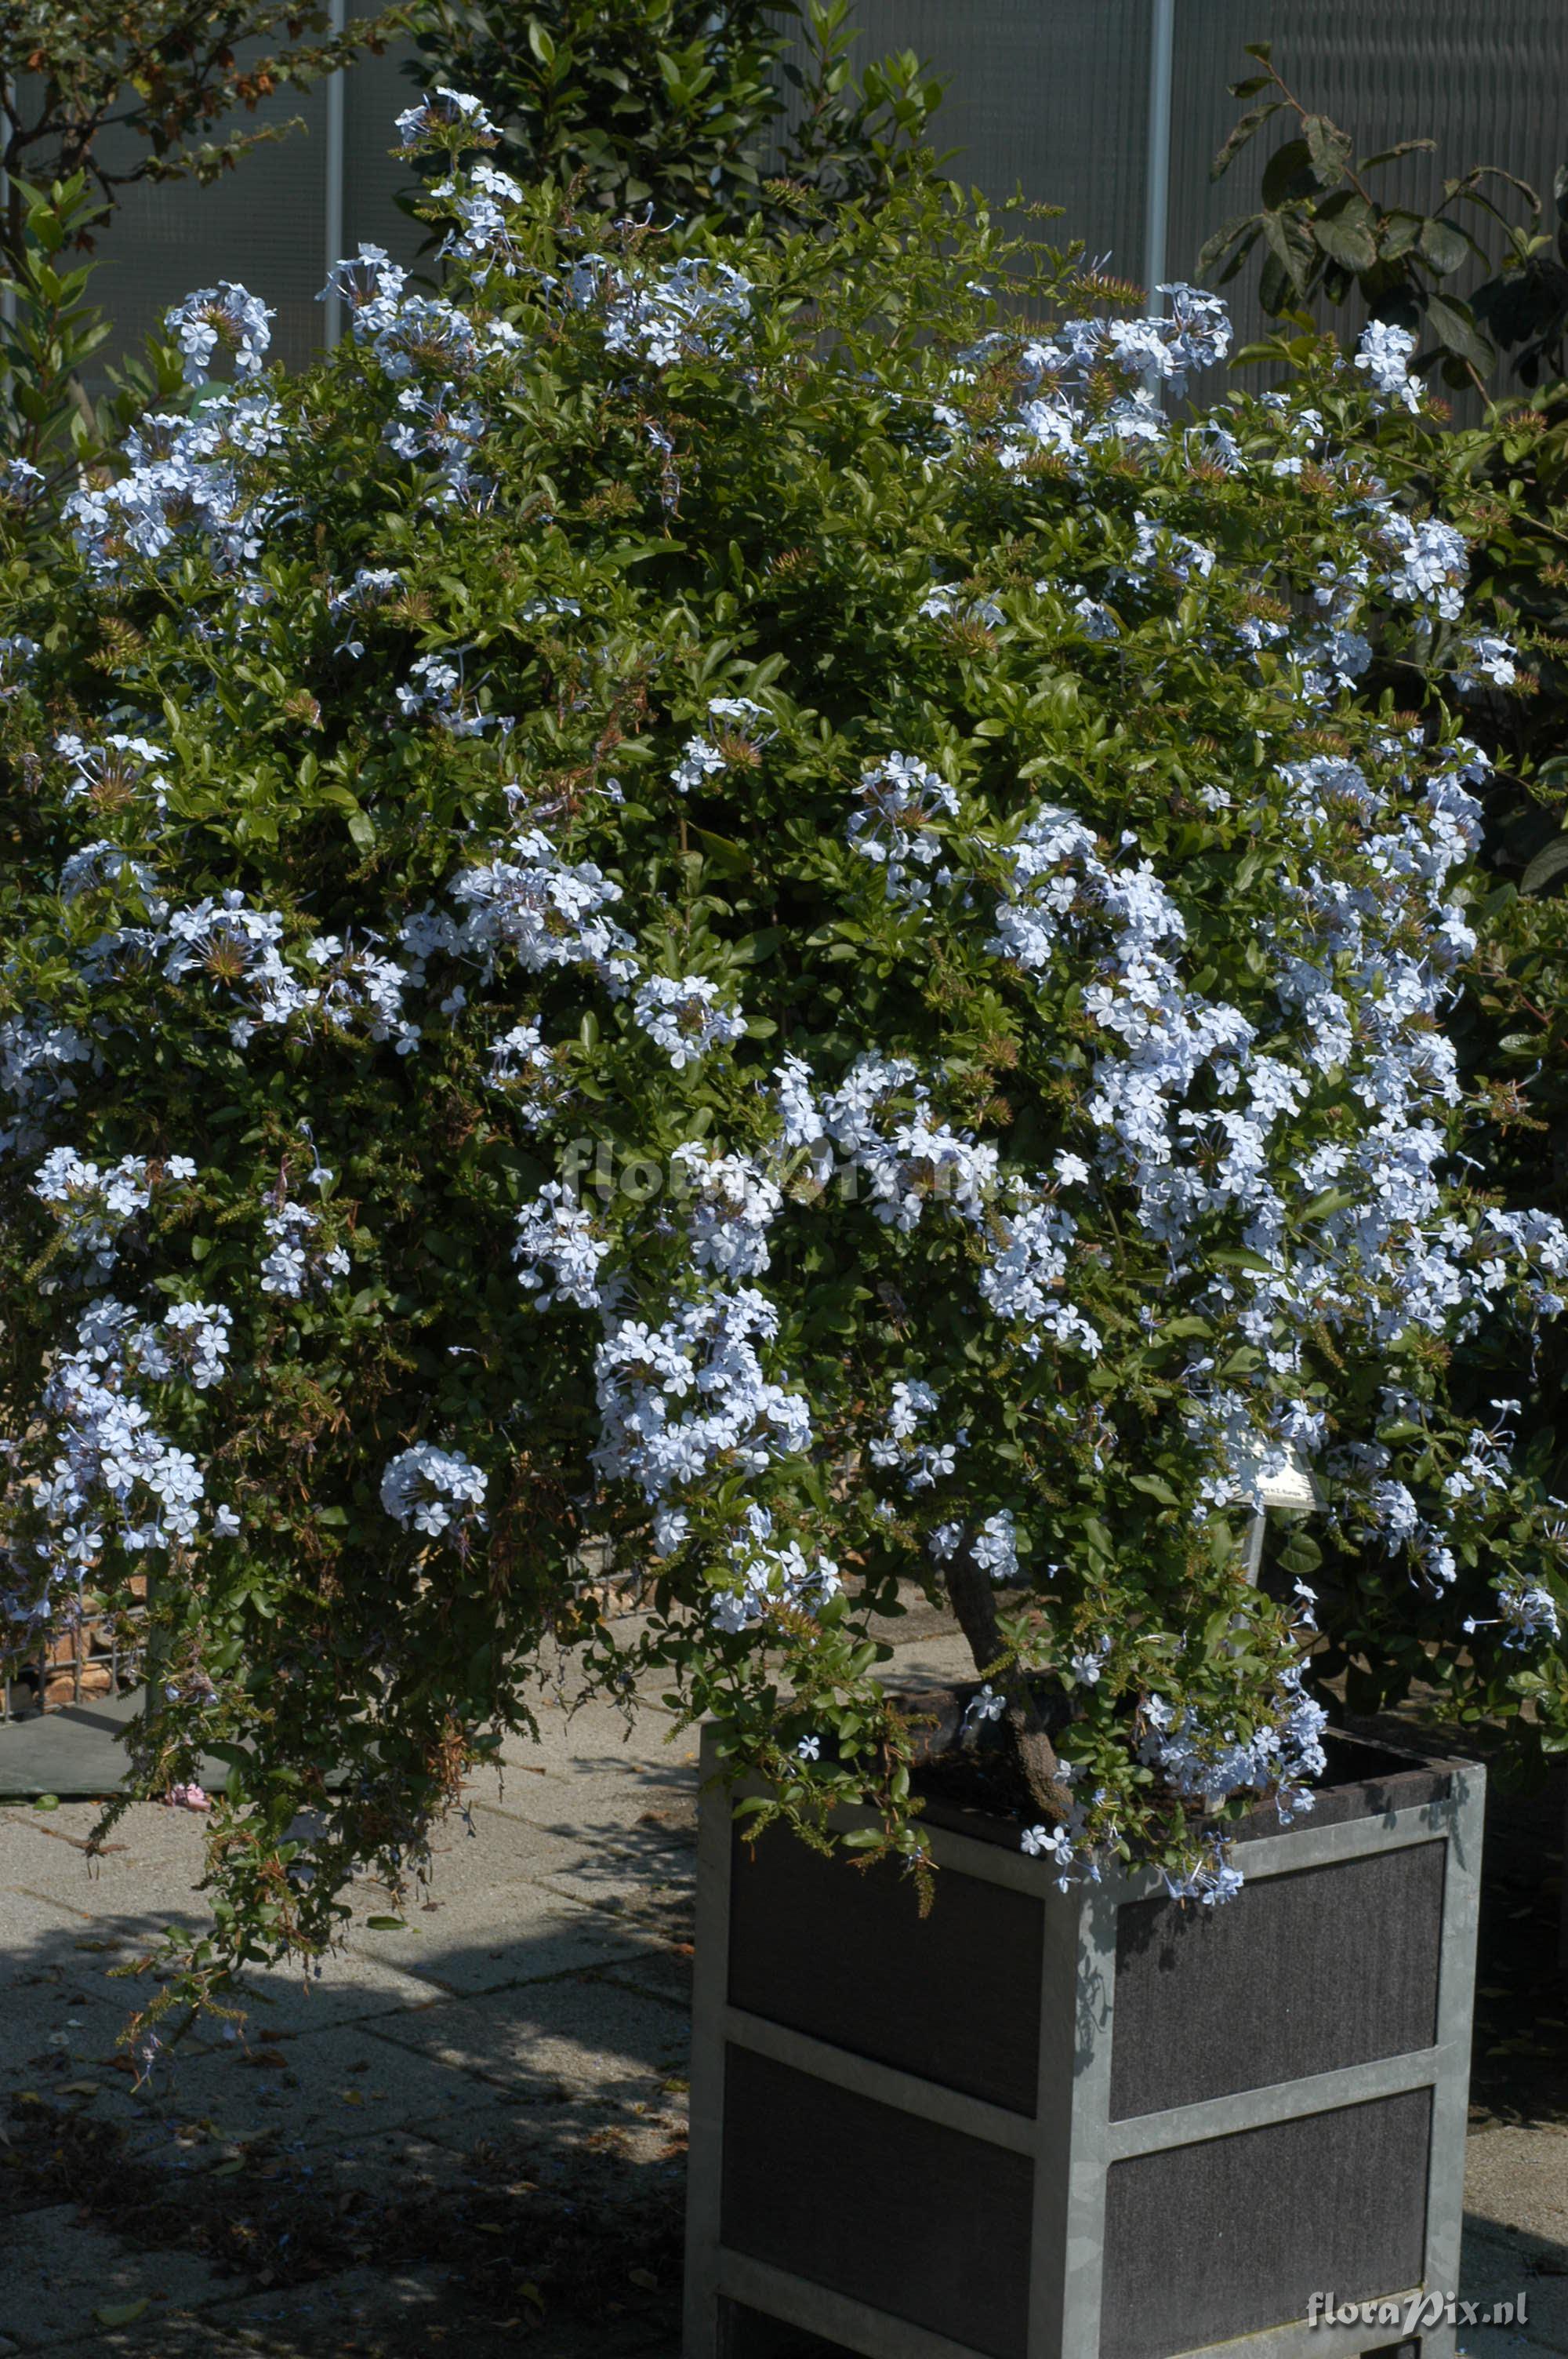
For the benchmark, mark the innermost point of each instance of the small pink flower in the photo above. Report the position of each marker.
(186, 1798)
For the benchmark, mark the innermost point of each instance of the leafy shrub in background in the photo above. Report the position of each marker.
(49, 429)
(1324, 235)
(699, 897)
(679, 105)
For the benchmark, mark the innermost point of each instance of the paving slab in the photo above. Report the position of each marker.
(329, 2314)
(55, 2272)
(938, 1660)
(636, 1862)
(582, 2038)
(1516, 2179)
(329, 2088)
(143, 1868)
(491, 1940)
(1496, 2270)
(576, 1794)
(658, 1971)
(48, 2030)
(363, 2314)
(474, 1851)
(92, 1953)
(594, 1733)
(36, 1932)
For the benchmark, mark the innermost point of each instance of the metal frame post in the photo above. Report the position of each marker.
(1157, 198)
(337, 16)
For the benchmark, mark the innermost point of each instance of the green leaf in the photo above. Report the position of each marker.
(123, 2313)
(1333, 1200)
(1242, 230)
(1550, 861)
(1291, 248)
(541, 44)
(1451, 322)
(1283, 168)
(1444, 245)
(1401, 148)
(1240, 133)
(386, 1925)
(1344, 233)
(1328, 148)
(753, 949)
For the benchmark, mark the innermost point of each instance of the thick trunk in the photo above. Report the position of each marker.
(973, 1596)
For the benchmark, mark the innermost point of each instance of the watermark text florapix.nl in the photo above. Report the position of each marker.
(1416, 2311)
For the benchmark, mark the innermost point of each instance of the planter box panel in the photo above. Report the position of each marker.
(827, 2184)
(842, 1955)
(1208, 2242)
(1234, 2109)
(1331, 1966)
(746, 2333)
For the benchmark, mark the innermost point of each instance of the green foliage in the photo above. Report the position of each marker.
(679, 105)
(46, 419)
(1323, 231)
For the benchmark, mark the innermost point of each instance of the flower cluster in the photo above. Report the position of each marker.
(220, 318)
(295, 1263)
(437, 1492)
(186, 488)
(682, 1017)
(559, 1250)
(692, 309)
(678, 1400)
(730, 743)
(1385, 352)
(767, 1580)
(900, 797)
(921, 1464)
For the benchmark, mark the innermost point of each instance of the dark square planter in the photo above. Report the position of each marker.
(1095, 2125)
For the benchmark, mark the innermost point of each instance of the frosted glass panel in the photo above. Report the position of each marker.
(1050, 93)
(375, 93)
(261, 223)
(1053, 93)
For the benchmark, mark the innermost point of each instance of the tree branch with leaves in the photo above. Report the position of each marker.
(168, 73)
(1325, 232)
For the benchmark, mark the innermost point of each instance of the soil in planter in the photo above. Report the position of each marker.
(967, 1777)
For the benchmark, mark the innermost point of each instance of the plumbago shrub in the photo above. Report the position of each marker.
(698, 896)
(1496, 660)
